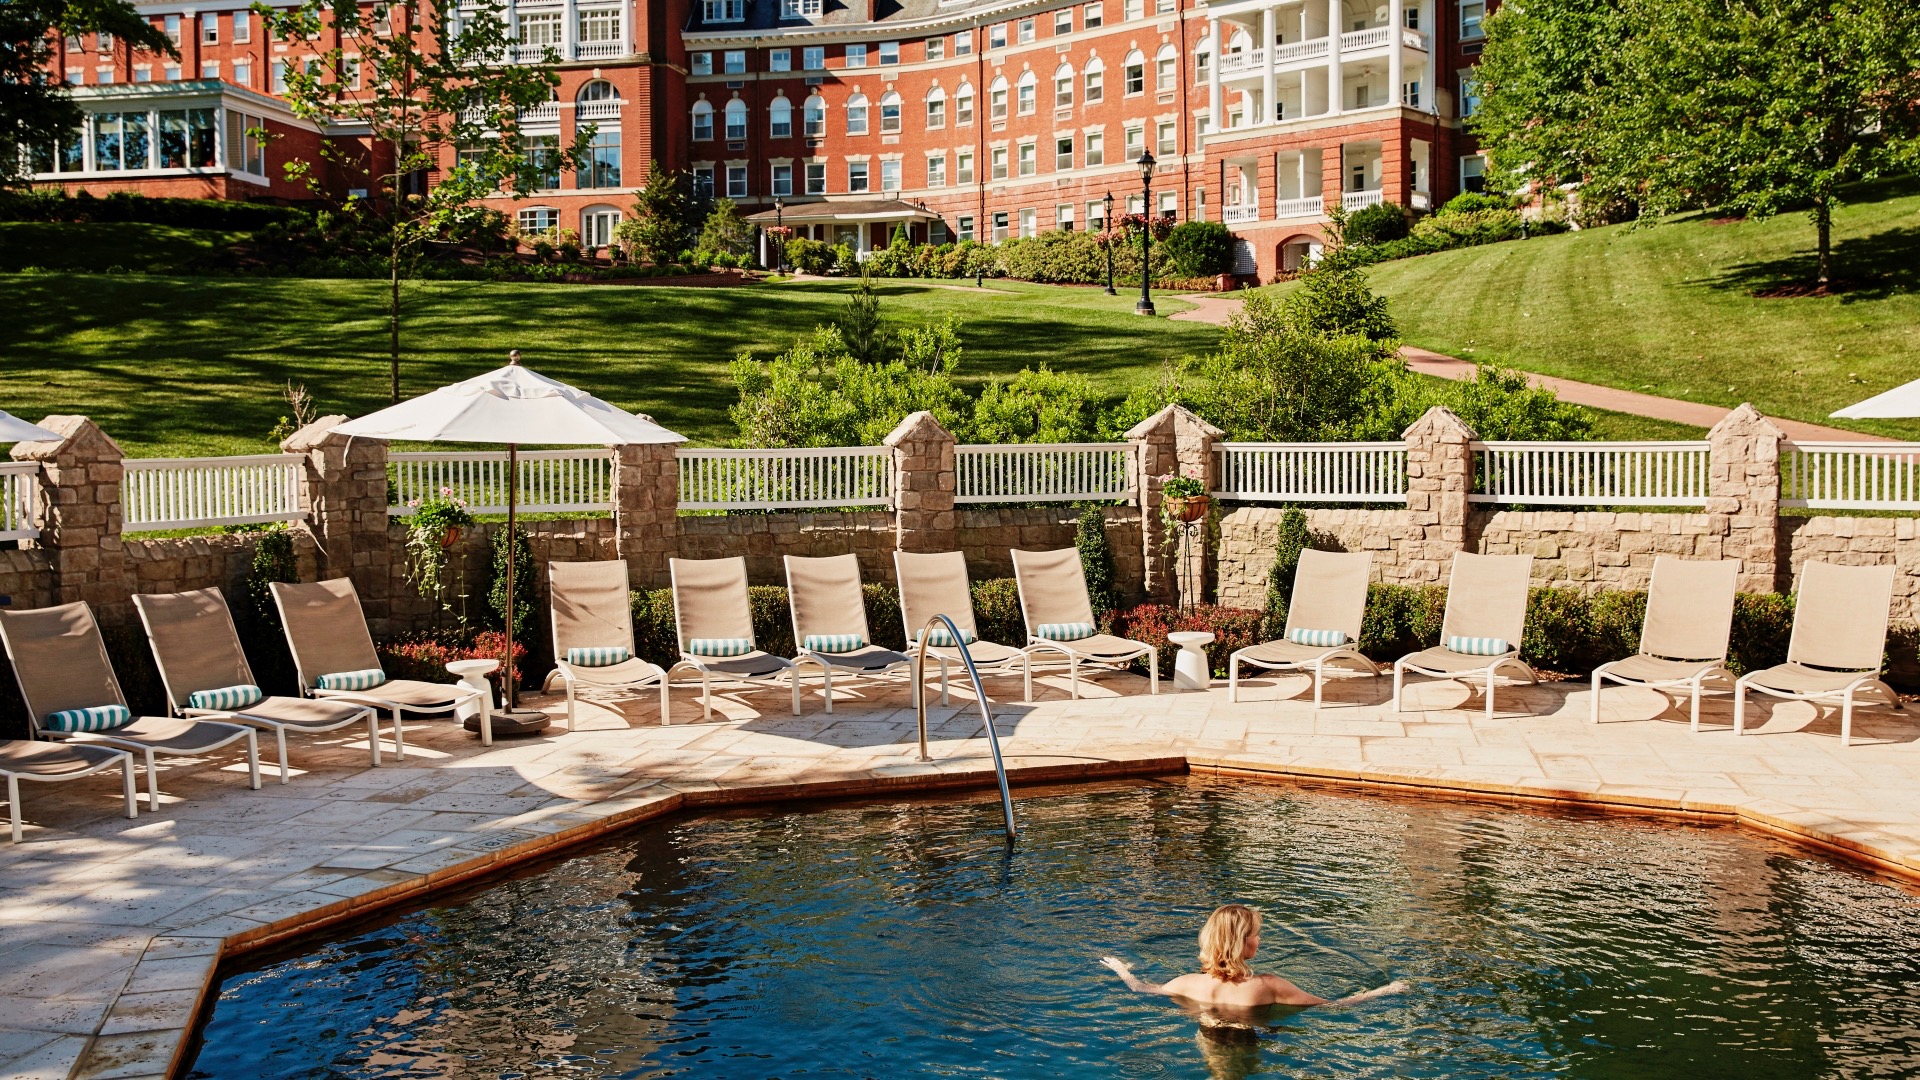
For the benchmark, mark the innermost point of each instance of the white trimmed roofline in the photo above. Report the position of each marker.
(883, 31)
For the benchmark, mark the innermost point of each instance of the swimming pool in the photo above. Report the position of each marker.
(900, 939)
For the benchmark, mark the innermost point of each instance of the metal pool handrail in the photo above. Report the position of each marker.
(979, 695)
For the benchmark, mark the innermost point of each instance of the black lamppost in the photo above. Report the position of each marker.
(1145, 306)
(780, 236)
(1106, 225)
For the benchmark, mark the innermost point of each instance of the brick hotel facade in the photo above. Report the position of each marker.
(979, 119)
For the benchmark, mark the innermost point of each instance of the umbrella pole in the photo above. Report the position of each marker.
(513, 499)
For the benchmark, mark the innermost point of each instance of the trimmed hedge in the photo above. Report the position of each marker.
(54, 204)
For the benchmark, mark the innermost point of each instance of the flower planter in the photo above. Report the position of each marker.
(1188, 507)
(450, 538)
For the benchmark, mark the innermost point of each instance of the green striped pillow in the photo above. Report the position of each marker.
(352, 680)
(1064, 631)
(599, 656)
(833, 643)
(96, 718)
(1477, 646)
(226, 697)
(720, 646)
(939, 638)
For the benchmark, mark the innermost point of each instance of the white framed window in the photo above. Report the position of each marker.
(1136, 73)
(172, 25)
(537, 219)
(540, 28)
(1473, 172)
(733, 62)
(597, 25)
(889, 53)
(814, 58)
(783, 179)
(103, 41)
(597, 224)
(1093, 15)
(73, 43)
(279, 76)
(243, 72)
(999, 226)
(702, 121)
(722, 11)
(780, 118)
(936, 109)
(1166, 69)
(816, 172)
(1202, 60)
(997, 36)
(962, 43)
(700, 63)
(1063, 86)
(600, 167)
(736, 120)
(1029, 223)
(801, 9)
(1096, 149)
(1024, 31)
(1166, 139)
(857, 114)
(1063, 217)
(1163, 7)
(997, 99)
(890, 175)
(963, 227)
(1096, 215)
(142, 73)
(1027, 92)
(1136, 141)
(1469, 93)
(1063, 154)
(245, 150)
(998, 156)
(856, 56)
(936, 48)
(170, 72)
(1133, 9)
(209, 29)
(76, 77)
(779, 59)
(1029, 158)
(856, 176)
(242, 27)
(736, 181)
(1473, 15)
(963, 105)
(937, 171)
(890, 113)
(814, 117)
(1063, 21)
(963, 166)
(1096, 78)
(703, 181)
(597, 90)
(1169, 204)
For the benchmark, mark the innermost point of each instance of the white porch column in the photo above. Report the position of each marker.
(569, 31)
(1396, 67)
(1335, 14)
(1268, 95)
(1219, 47)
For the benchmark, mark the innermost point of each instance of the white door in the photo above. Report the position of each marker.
(596, 227)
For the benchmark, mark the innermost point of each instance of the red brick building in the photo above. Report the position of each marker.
(961, 119)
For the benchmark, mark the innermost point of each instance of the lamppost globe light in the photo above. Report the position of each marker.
(1146, 165)
(1145, 306)
(1106, 226)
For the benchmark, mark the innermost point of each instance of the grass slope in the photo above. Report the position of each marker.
(1670, 310)
(191, 366)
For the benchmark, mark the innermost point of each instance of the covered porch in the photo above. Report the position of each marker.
(861, 224)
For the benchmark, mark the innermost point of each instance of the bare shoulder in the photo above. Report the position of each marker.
(1194, 985)
(1281, 991)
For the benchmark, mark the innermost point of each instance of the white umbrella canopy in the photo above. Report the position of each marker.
(1901, 402)
(14, 429)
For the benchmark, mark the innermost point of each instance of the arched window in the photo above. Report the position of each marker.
(736, 120)
(857, 114)
(597, 90)
(997, 99)
(1239, 42)
(702, 120)
(596, 225)
(1096, 79)
(1166, 69)
(1028, 91)
(814, 117)
(1202, 59)
(1135, 66)
(963, 104)
(936, 108)
(890, 113)
(1063, 86)
(780, 118)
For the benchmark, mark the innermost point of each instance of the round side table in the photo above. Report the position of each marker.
(473, 676)
(1190, 668)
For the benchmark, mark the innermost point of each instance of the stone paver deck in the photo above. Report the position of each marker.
(111, 930)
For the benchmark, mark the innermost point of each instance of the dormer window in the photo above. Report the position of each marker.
(800, 9)
(725, 11)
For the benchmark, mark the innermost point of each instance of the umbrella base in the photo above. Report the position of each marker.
(508, 723)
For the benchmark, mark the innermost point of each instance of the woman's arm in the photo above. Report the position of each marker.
(1394, 987)
(1134, 982)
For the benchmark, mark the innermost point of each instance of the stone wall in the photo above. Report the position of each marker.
(569, 540)
(988, 535)
(1857, 541)
(766, 538)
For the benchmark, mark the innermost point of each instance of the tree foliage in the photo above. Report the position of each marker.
(1200, 249)
(725, 230)
(35, 108)
(665, 215)
(860, 325)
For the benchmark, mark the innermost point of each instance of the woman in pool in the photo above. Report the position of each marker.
(1227, 942)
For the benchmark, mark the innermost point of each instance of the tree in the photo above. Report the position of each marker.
(725, 230)
(664, 215)
(35, 109)
(859, 323)
(429, 82)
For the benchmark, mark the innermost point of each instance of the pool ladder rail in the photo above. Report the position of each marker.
(979, 695)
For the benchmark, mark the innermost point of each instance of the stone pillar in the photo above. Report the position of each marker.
(1172, 441)
(924, 485)
(1193, 440)
(1439, 476)
(80, 515)
(646, 510)
(1743, 494)
(344, 492)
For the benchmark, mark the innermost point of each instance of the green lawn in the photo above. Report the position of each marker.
(100, 245)
(1670, 310)
(189, 366)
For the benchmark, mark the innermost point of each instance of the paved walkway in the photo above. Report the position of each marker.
(1218, 309)
(111, 930)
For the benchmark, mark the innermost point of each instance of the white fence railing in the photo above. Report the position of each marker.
(1850, 476)
(192, 493)
(1312, 206)
(1591, 474)
(1045, 472)
(16, 500)
(1242, 61)
(1300, 50)
(1373, 38)
(549, 481)
(1313, 472)
(1360, 200)
(780, 479)
(1239, 215)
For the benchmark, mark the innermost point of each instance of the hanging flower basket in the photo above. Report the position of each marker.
(450, 537)
(1187, 507)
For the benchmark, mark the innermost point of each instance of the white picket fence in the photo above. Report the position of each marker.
(1374, 472)
(1850, 476)
(1045, 472)
(548, 481)
(786, 479)
(16, 500)
(193, 493)
(1590, 473)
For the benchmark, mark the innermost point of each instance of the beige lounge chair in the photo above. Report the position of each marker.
(1059, 616)
(936, 584)
(713, 620)
(830, 622)
(1683, 639)
(1838, 643)
(1486, 602)
(1329, 600)
(61, 664)
(198, 651)
(592, 628)
(327, 634)
(24, 759)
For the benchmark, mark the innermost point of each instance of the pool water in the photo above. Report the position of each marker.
(900, 939)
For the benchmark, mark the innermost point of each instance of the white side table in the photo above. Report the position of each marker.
(473, 676)
(1190, 668)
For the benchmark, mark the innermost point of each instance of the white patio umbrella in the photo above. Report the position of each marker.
(1901, 402)
(512, 405)
(14, 429)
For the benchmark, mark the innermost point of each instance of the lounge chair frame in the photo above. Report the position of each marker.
(922, 597)
(1053, 589)
(1329, 593)
(809, 581)
(608, 577)
(101, 757)
(1684, 636)
(1829, 641)
(713, 575)
(1486, 597)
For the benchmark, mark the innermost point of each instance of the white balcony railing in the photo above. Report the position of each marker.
(777, 479)
(541, 114)
(598, 110)
(1313, 472)
(1240, 215)
(192, 493)
(533, 54)
(1044, 472)
(1310, 49)
(600, 50)
(548, 481)
(1591, 474)
(16, 500)
(1850, 476)
(1359, 200)
(1312, 206)
(1373, 38)
(1243, 61)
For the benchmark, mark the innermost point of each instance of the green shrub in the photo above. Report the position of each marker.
(1333, 301)
(810, 256)
(54, 204)
(525, 585)
(819, 394)
(1200, 249)
(1375, 224)
(1037, 405)
(1468, 202)
(996, 611)
(1233, 629)
(1096, 560)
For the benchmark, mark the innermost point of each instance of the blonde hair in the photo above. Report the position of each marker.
(1223, 942)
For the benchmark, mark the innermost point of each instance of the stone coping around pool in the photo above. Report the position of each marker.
(112, 931)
